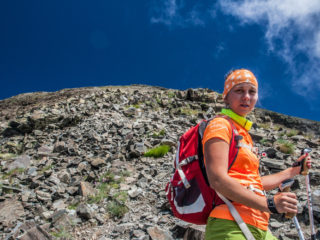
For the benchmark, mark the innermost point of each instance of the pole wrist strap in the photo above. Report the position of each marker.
(299, 164)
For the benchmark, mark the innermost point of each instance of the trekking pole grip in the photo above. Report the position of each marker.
(305, 169)
(288, 215)
(285, 186)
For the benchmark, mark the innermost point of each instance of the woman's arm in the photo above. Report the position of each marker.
(273, 181)
(216, 153)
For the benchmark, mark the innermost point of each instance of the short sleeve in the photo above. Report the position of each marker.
(217, 128)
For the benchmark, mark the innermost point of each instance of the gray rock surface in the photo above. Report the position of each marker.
(72, 162)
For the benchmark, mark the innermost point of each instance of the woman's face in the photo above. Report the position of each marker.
(242, 98)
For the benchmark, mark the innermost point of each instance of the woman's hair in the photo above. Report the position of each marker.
(225, 78)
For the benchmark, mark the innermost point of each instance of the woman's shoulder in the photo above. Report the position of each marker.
(218, 127)
(219, 122)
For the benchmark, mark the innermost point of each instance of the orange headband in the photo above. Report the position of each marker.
(237, 77)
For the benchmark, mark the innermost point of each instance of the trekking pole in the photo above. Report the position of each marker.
(285, 187)
(305, 172)
(296, 223)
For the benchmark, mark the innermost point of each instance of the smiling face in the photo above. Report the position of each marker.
(242, 98)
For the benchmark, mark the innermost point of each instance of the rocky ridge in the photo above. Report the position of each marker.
(73, 164)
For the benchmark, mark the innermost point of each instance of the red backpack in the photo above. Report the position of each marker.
(188, 191)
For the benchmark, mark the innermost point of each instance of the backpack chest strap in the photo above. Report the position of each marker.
(241, 144)
(188, 160)
(251, 149)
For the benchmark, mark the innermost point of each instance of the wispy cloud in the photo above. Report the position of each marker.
(291, 31)
(175, 13)
(219, 50)
(291, 28)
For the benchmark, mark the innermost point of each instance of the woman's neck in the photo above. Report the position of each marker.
(242, 121)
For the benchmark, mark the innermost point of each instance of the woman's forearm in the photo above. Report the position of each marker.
(272, 181)
(233, 190)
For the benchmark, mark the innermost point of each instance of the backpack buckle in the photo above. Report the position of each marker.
(238, 138)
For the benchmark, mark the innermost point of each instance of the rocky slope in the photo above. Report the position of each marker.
(73, 164)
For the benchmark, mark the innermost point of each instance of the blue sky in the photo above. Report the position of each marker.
(180, 44)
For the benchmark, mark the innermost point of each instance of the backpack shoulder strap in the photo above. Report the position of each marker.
(235, 138)
(202, 128)
(242, 225)
(233, 150)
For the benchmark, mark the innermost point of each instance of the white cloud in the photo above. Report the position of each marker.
(195, 18)
(167, 13)
(219, 50)
(291, 31)
(317, 44)
(174, 13)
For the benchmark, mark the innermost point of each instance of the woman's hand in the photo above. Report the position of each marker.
(286, 202)
(298, 165)
(307, 158)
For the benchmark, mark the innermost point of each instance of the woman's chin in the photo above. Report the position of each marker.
(242, 112)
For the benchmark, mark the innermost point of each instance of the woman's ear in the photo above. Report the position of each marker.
(226, 100)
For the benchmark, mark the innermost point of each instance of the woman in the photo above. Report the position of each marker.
(241, 94)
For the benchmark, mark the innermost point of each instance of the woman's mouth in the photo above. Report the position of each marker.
(244, 105)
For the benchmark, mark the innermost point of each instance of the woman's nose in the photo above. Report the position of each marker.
(246, 96)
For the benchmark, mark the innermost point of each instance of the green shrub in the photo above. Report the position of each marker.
(159, 134)
(136, 106)
(73, 206)
(121, 197)
(277, 127)
(285, 146)
(158, 151)
(13, 172)
(114, 185)
(133, 106)
(7, 156)
(292, 133)
(264, 125)
(61, 233)
(117, 209)
(158, 100)
(189, 111)
(125, 173)
(309, 136)
(107, 177)
(107, 182)
(171, 94)
(265, 142)
(46, 168)
(103, 192)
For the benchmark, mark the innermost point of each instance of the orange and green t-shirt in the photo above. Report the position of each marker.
(245, 170)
